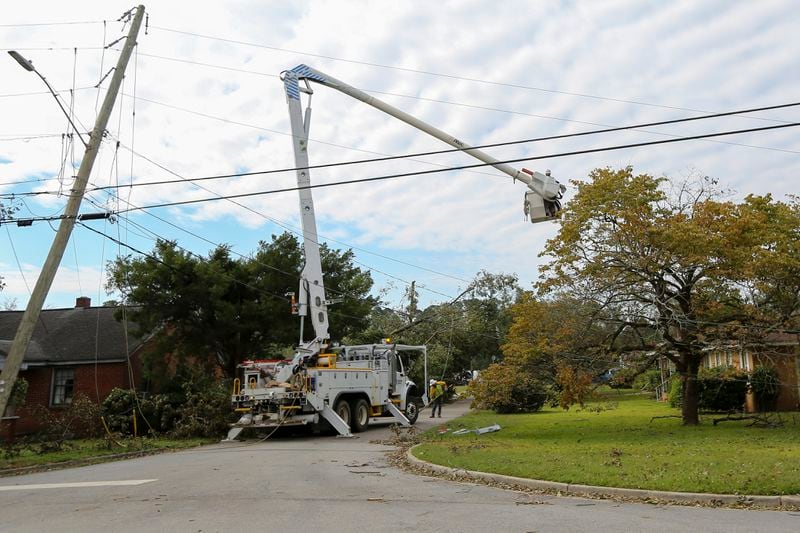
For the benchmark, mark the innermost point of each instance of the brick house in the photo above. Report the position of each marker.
(780, 350)
(80, 350)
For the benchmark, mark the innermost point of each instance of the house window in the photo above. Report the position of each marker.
(63, 385)
(728, 357)
(745, 357)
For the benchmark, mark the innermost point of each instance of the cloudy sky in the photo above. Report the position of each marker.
(202, 97)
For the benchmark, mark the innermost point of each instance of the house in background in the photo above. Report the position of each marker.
(780, 350)
(82, 350)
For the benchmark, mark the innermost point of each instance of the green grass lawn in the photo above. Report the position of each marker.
(621, 447)
(88, 449)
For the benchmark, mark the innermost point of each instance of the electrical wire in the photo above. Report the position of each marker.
(428, 153)
(483, 146)
(330, 290)
(299, 232)
(453, 150)
(294, 275)
(466, 167)
(230, 277)
(16, 258)
(69, 23)
(38, 93)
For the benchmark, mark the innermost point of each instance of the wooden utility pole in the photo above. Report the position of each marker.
(31, 315)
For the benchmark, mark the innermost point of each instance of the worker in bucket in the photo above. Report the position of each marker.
(436, 394)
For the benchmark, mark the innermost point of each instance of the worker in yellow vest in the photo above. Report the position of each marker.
(436, 394)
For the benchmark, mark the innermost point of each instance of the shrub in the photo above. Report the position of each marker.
(506, 388)
(163, 413)
(647, 381)
(19, 393)
(80, 418)
(574, 386)
(722, 389)
(622, 378)
(200, 408)
(206, 411)
(766, 387)
(117, 411)
(675, 392)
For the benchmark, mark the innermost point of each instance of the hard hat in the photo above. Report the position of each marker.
(433, 382)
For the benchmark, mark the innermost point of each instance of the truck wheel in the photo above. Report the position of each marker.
(343, 410)
(360, 413)
(412, 409)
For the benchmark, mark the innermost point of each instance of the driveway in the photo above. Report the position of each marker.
(321, 484)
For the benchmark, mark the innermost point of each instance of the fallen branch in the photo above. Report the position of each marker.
(758, 420)
(733, 418)
(665, 416)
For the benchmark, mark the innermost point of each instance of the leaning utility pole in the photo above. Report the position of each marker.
(31, 315)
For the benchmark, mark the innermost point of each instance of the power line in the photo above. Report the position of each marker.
(70, 23)
(466, 167)
(35, 180)
(288, 228)
(26, 138)
(154, 258)
(437, 152)
(50, 48)
(229, 276)
(12, 195)
(332, 312)
(299, 232)
(451, 169)
(291, 229)
(193, 234)
(38, 93)
(453, 150)
(29, 221)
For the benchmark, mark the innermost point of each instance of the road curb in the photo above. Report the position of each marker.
(574, 489)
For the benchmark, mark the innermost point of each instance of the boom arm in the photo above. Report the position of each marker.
(311, 297)
(542, 200)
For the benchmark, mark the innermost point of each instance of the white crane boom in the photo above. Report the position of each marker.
(542, 199)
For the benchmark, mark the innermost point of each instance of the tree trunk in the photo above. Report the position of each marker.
(691, 393)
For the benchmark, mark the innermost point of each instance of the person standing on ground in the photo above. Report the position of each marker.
(436, 394)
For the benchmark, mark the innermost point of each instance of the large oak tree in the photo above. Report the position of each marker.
(679, 260)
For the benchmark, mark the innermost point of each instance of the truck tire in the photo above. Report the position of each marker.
(359, 411)
(412, 409)
(343, 410)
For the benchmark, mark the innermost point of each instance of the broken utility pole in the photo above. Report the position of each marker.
(31, 316)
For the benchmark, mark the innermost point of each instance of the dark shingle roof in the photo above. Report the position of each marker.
(71, 336)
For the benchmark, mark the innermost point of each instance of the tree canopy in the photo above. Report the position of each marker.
(218, 310)
(678, 260)
(464, 334)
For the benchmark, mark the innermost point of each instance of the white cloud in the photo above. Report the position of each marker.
(704, 56)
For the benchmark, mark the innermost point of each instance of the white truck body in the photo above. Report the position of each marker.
(336, 387)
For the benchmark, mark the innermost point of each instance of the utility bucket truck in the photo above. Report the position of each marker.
(347, 386)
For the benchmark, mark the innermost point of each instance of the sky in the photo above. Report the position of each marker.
(202, 96)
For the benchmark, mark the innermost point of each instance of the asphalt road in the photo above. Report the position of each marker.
(307, 483)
